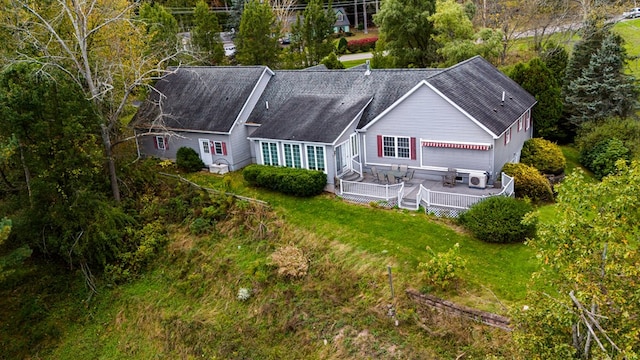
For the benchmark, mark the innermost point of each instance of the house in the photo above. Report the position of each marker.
(470, 117)
(342, 22)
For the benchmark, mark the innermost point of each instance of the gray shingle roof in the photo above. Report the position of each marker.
(201, 98)
(324, 118)
(476, 86)
(383, 86)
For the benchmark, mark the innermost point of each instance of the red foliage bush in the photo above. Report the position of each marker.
(362, 45)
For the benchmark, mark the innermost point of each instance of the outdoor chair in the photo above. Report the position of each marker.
(374, 172)
(407, 178)
(394, 167)
(449, 178)
(382, 178)
(404, 168)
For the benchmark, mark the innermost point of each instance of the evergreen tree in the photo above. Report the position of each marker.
(603, 90)
(538, 79)
(407, 31)
(205, 35)
(257, 41)
(312, 33)
(162, 28)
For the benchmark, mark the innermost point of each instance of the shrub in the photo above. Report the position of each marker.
(296, 182)
(290, 261)
(626, 130)
(498, 219)
(601, 159)
(188, 160)
(362, 45)
(543, 155)
(341, 46)
(441, 270)
(332, 62)
(529, 183)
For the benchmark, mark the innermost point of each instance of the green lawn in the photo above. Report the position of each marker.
(352, 63)
(400, 238)
(630, 31)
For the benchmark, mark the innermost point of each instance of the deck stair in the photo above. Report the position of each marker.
(351, 176)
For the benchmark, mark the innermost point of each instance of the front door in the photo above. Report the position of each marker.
(341, 159)
(205, 151)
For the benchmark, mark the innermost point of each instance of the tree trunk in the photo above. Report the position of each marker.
(113, 177)
(27, 175)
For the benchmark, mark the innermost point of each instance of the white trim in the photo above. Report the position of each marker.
(215, 150)
(246, 103)
(358, 116)
(270, 155)
(396, 147)
(289, 141)
(324, 156)
(300, 153)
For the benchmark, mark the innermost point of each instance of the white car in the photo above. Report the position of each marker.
(229, 49)
(633, 13)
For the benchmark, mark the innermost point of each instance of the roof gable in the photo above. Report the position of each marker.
(200, 98)
(477, 87)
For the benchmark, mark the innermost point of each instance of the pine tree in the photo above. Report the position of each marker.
(205, 35)
(603, 90)
(257, 41)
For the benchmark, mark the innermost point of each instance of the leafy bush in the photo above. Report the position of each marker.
(441, 270)
(498, 219)
(332, 62)
(290, 261)
(529, 183)
(543, 155)
(341, 46)
(601, 159)
(362, 45)
(297, 182)
(188, 160)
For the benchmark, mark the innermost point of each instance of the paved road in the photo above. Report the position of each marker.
(359, 56)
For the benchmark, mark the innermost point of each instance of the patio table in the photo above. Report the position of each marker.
(397, 174)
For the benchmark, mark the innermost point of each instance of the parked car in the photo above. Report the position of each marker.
(633, 13)
(229, 49)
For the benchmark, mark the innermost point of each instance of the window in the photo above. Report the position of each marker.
(270, 153)
(315, 158)
(527, 122)
(396, 147)
(520, 123)
(339, 16)
(292, 156)
(507, 136)
(219, 148)
(354, 145)
(161, 143)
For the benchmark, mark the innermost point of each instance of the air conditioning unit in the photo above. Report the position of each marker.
(478, 180)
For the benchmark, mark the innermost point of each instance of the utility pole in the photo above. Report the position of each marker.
(364, 11)
(355, 12)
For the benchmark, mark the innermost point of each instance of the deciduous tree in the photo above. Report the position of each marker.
(406, 31)
(312, 32)
(537, 79)
(589, 255)
(98, 45)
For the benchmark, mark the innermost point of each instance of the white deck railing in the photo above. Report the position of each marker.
(447, 203)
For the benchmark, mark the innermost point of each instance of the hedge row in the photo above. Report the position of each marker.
(296, 182)
(362, 45)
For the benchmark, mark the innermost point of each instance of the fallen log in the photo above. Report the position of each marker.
(449, 307)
